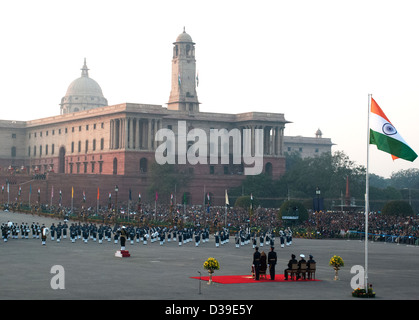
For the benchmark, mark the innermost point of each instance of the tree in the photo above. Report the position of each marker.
(293, 208)
(405, 179)
(261, 186)
(328, 172)
(164, 178)
(397, 208)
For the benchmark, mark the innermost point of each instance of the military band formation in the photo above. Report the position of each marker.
(91, 232)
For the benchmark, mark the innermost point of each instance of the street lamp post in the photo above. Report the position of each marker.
(116, 199)
(318, 197)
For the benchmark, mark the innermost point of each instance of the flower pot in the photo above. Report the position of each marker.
(210, 272)
(336, 273)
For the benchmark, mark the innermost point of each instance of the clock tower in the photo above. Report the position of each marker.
(183, 95)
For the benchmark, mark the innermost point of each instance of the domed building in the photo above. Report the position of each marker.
(84, 93)
(92, 145)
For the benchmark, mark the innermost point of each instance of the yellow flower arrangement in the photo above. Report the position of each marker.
(336, 262)
(211, 264)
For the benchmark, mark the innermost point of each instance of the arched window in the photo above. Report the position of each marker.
(268, 168)
(143, 165)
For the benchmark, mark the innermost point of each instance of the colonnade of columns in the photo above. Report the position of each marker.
(138, 134)
(272, 141)
(134, 133)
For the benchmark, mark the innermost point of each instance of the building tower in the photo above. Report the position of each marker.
(183, 95)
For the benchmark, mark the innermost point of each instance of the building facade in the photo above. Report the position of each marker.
(307, 146)
(116, 145)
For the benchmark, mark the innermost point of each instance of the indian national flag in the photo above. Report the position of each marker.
(385, 136)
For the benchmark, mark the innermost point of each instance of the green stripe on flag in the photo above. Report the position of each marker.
(393, 146)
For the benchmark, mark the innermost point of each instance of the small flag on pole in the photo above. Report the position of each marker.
(227, 202)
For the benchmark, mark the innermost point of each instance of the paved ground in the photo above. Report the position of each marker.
(155, 272)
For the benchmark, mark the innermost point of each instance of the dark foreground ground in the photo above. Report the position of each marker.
(154, 272)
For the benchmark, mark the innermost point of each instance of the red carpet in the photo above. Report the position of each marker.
(248, 279)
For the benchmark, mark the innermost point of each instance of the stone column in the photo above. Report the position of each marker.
(125, 120)
(131, 134)
(149, 134)
(111, 134)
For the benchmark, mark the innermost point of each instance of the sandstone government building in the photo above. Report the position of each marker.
(91, 145)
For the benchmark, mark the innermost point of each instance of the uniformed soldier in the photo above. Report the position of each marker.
(180, 238)
(4, 232)
(123, 236)
(27, 230)
(197, 238)
(65, 227)
(73, 233)
(217, 240)
(100, 232)
(52, 231)
(44, 232)
(59, 231)
(289, 236)
(272, 259)
(256, 262)
(282, 238)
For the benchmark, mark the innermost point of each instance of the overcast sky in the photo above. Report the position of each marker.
(315, 61)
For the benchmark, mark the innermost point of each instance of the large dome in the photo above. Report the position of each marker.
(84, 93)
(84, 86)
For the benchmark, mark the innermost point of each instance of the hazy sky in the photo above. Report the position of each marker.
(315, 61)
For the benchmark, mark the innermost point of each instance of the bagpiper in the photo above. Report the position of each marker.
(44, 233)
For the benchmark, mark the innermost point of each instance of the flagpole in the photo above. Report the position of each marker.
(367, 196)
